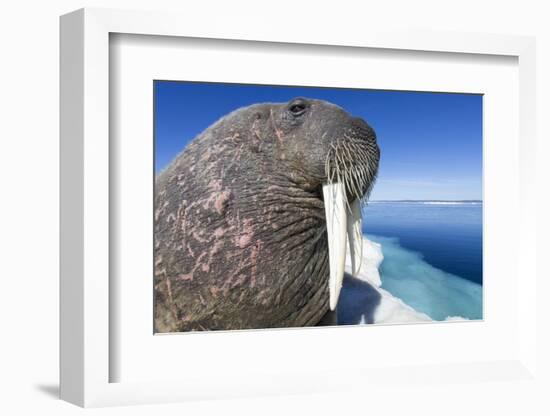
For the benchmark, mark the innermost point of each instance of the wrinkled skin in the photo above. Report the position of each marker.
(240, 232)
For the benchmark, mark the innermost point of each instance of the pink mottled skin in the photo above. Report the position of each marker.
(240, 238)
(220, 200)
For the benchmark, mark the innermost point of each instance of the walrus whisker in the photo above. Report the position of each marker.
(347, 170)
(356, 183)
(353, 168)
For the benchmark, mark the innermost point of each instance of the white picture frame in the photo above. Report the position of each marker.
(86, 352)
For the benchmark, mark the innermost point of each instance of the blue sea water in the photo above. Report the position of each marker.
(432, 254)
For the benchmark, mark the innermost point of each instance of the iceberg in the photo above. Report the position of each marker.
(409, 297)
(363, 301)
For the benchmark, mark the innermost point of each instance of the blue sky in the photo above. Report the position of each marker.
(431, 143)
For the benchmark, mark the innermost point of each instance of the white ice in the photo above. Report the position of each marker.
(363, 300)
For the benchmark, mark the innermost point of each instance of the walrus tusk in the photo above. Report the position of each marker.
(355, 237)
(336, 218)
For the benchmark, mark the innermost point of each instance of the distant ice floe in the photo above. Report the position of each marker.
(429, 202)
(363, 300)
(449, 203)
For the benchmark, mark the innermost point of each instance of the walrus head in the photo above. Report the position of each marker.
(252, 218)
(328, 150)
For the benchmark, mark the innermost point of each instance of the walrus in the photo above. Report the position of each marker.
(253, 218)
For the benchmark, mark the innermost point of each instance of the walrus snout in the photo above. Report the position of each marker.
(351, 167)
(330, 150)
(353, 158)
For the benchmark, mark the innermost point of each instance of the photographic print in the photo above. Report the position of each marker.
(288, 206)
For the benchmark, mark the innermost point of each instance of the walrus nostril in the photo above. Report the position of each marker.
(360, 127)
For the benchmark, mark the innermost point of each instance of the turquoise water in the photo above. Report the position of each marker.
(432, 255)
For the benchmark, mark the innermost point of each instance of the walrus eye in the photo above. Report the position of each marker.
(297, 108)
